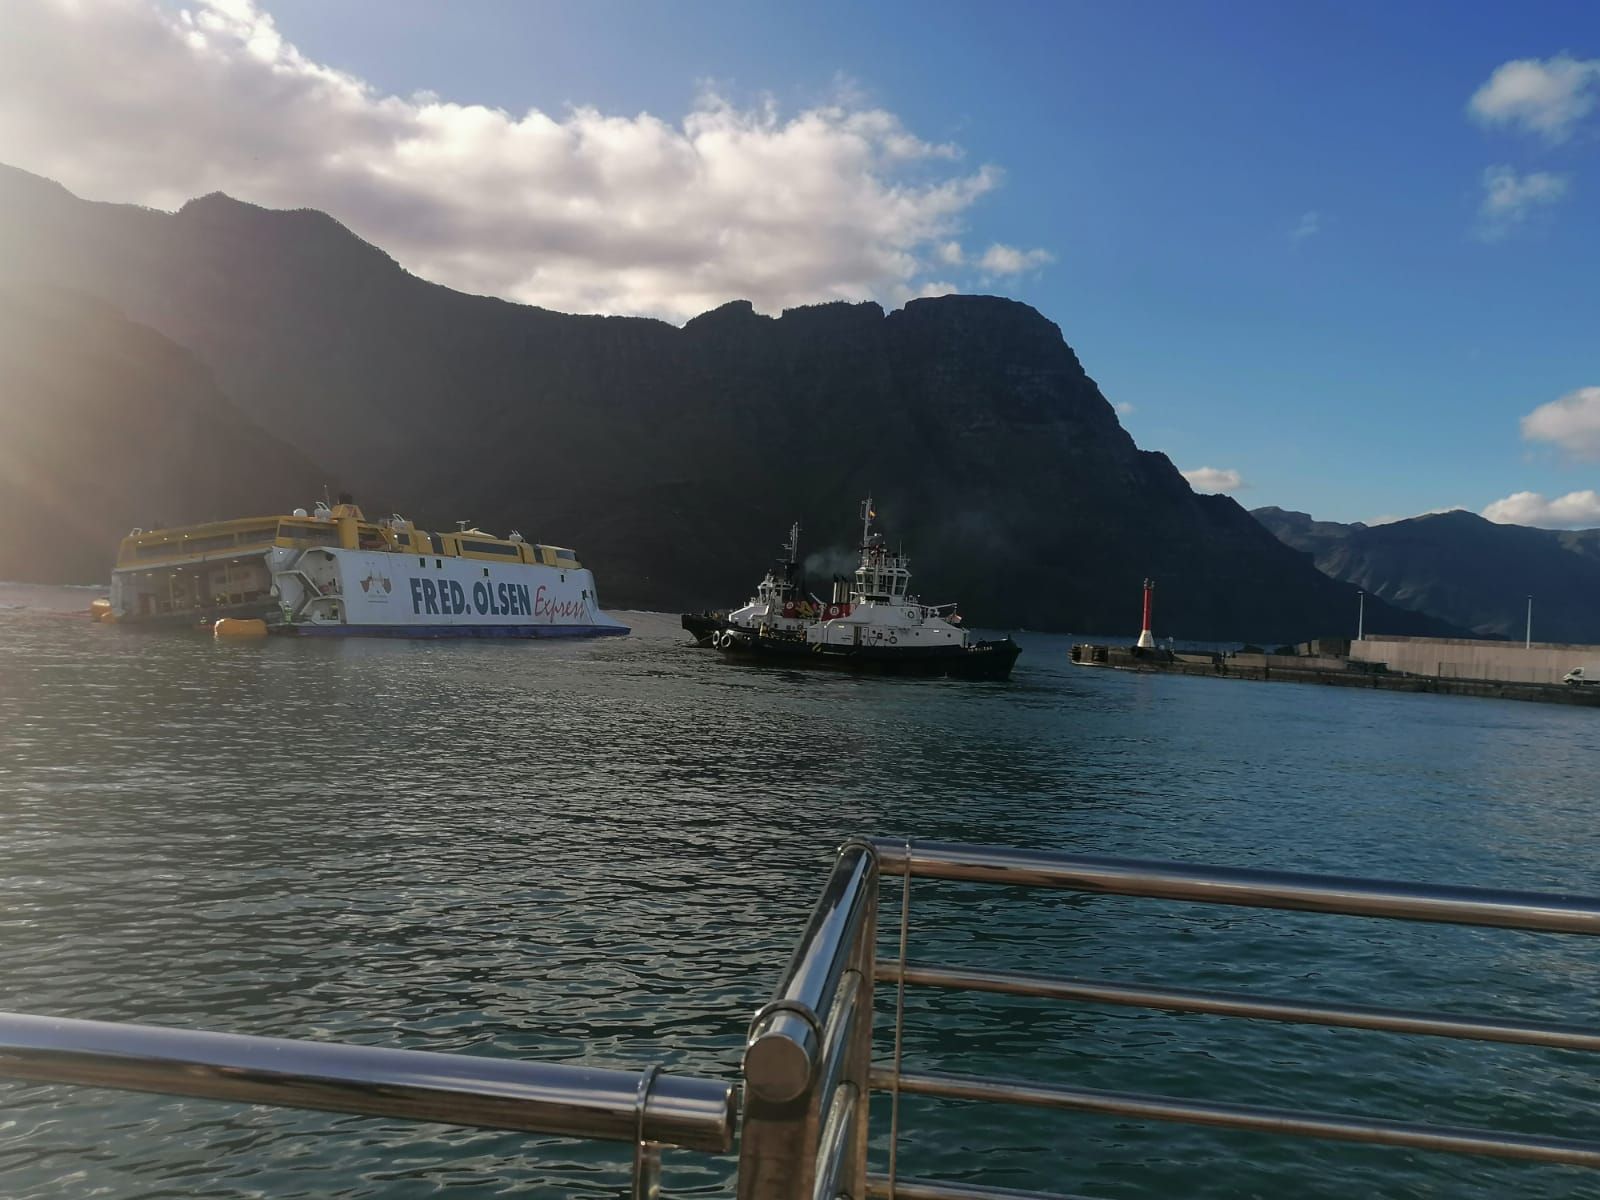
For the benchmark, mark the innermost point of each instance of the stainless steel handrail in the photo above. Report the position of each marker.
(1249, 1116)
(1260, 1008)
(418, 1085)
(1528, 911)
(786, 1036)
(881, 1186)
(808, 1054)
(1157, 880)
(807, 1062)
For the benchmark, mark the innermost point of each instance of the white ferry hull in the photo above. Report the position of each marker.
(334, 592)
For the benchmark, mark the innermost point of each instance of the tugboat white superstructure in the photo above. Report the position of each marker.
(780, 601)
(333, 572)
(872, 623)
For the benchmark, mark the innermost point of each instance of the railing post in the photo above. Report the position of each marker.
(784, 1104)
(646, 1154)
(858, 1060)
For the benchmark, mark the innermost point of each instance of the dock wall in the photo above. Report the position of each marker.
(1349, 673)
(1462, 658)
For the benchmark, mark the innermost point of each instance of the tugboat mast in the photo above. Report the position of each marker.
(866, 521)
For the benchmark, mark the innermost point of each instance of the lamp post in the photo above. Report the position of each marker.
(1527, 638)
(1361, 617)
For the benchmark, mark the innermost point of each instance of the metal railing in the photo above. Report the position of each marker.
(807, 1104)
(807, 1061)
(808, 1070)
(648, 1109)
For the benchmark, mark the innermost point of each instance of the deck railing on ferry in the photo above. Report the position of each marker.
(809, 1082)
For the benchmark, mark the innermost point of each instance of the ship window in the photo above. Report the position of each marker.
(500, 548)
(438, 543)
(486, 572)
(309, 535)
(422, 562)
(439, 562)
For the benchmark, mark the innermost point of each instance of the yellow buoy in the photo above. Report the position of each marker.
(239, 627)
(100, 610)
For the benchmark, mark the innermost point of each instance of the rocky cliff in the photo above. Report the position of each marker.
(675, 459)
(105, 424)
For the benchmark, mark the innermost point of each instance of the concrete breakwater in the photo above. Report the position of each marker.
(1323, 662)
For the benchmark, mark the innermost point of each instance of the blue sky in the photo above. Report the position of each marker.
(1267, 222)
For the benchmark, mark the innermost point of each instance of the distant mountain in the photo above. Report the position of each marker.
(1463, 569)
(105, 424)
(675, 459)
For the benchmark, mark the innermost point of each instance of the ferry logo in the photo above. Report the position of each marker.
(446, 597)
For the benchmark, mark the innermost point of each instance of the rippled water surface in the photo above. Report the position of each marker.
(603, 852)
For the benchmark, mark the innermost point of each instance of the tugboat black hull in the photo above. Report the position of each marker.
(977, 660)
(704, 626)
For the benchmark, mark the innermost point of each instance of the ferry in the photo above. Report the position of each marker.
(871, 624)
(333, 572)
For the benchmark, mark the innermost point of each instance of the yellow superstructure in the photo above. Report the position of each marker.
(343, 526)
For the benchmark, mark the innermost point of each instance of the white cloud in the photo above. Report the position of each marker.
(586, 211)
(1575, 510)
(951, 254)
(1125, 407)
(1571, 423)
(1000, 259)
(1214, 479)
(1509, 198)
(1548, 97)
(1309, 225)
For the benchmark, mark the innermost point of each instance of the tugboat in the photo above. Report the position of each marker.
(779, 601)
(872, 624)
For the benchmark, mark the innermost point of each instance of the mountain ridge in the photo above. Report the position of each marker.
(675, 457)
(1462, 568)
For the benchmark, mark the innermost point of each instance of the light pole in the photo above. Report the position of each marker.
(1361, 617)
(1527, 639)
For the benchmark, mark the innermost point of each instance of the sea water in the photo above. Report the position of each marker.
(603, 852)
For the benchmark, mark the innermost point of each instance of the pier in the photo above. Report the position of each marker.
(1336, 663)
